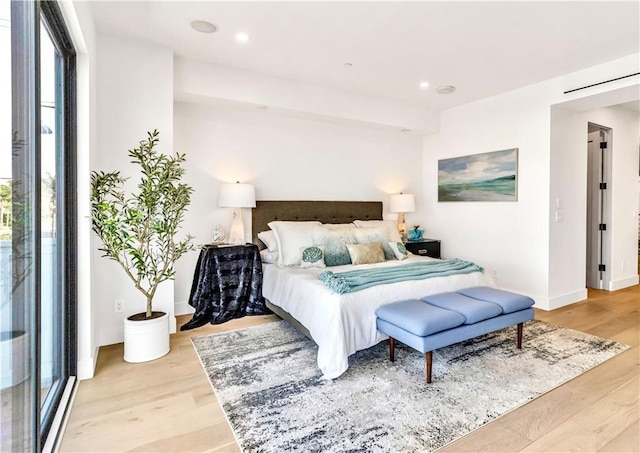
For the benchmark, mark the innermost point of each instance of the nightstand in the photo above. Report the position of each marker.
(426, 247)
(227, 284)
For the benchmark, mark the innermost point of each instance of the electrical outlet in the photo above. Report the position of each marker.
(118, 306)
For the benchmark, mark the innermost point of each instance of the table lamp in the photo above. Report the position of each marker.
(237, 196)
(401, 203)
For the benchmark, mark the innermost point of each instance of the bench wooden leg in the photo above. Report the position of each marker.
(520, 336)
(429, 357)
(392, 347)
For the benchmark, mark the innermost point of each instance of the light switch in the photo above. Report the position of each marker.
(558, 215)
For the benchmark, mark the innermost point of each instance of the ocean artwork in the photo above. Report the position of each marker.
(489, 176)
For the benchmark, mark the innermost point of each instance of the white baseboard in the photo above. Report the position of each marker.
(87, 367)
(561, 301)
(183, 308)
(624, 283)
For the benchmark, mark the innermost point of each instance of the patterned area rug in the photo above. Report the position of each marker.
(271, 390)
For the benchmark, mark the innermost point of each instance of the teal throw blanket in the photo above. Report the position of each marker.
(350, 281)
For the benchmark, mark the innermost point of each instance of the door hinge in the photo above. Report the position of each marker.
(602, 227)
(603, 145)
(603, 186)
(602, 267)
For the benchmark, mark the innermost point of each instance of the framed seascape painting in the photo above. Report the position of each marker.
(489, 176)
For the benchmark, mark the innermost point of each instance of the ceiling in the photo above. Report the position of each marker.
(481, 48)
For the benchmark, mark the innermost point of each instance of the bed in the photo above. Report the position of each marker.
(340, 324)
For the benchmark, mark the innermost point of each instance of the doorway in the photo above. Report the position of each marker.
(598, 205)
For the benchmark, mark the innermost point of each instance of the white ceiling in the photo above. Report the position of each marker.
(482, 48)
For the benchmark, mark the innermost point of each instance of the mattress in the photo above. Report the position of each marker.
(342, 324)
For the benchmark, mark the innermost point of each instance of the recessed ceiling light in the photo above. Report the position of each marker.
(203, 26)
(242, 37)
(262, 107)
(405, 130)
(348, 65)
(424, 85)
(446, 89)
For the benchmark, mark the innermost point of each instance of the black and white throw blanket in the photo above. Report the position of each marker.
(227, 284)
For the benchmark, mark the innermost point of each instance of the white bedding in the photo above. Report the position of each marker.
(342, 324)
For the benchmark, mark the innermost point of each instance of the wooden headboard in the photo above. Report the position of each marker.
(322, 211)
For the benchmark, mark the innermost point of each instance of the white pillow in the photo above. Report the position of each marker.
(269, 239)
(292, 236)
(312, 256)
(338, 226)
(389, 225)
(269, 257)
(399, 250)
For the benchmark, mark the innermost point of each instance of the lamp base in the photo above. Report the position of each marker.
(236, 233)
(402, 228)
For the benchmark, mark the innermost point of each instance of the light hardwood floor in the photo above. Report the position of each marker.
(168, 404)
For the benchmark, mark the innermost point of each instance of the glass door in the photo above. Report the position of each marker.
(51, 324)
(37, 223)
(18, 240)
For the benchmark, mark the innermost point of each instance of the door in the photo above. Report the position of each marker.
(598, 205)
(37, 223)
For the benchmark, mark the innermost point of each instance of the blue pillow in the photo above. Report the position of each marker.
(335, 247)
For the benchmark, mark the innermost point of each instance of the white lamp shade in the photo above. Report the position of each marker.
(237, 196)
(403, 202)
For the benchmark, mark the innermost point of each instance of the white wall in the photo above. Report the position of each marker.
(135, 95)
(286, 159)
(625, 143)
(310, 150)
(506, 238)
(521, 242)
(569, 152)
(567, 224)
(286, 154)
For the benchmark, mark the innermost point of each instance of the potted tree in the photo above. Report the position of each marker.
(139, 233)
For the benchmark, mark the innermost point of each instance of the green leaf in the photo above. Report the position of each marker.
(138, 230)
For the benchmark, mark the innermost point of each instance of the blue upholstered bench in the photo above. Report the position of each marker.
(443, 319)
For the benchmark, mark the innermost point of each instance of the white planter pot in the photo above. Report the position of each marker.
(147, 339)
(14, 356)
